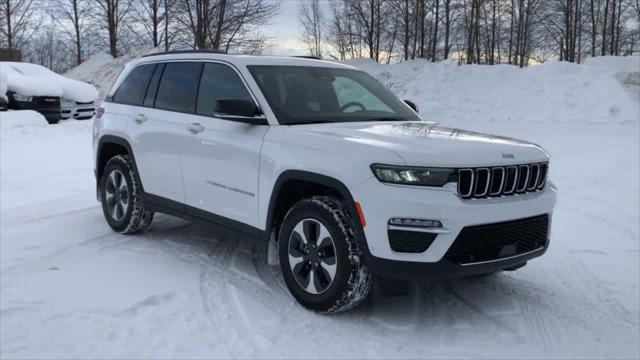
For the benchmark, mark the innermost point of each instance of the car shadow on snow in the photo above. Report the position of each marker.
(242, 263)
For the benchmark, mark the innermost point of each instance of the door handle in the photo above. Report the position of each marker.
(140, 118)
(195, 128)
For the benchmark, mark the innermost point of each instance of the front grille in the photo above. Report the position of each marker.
(499, 181)
(499, 240)
(410, 241)
(46, 101)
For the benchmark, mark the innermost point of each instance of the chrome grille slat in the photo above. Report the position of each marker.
(490, 182)
(544, 169)
(483, 179)
(494, 180)
(510, 187)
(465, 186)
(534, 174)
(523, 178)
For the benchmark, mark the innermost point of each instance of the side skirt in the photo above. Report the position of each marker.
(189, 213)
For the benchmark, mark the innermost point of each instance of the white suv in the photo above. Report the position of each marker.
(322, 161)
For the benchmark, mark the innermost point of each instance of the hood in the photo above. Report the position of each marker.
(428, 144)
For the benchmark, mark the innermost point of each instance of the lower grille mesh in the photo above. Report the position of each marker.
(499, 240)
(410, 241)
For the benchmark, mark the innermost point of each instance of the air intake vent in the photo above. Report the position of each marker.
(499, 240)
(501, 181)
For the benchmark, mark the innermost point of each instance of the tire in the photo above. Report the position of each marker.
(318, 238)
(123, 209)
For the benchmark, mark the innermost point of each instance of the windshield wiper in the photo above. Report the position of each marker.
(386, 118)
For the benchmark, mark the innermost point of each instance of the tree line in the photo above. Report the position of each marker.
(518, 32)
(63, 33)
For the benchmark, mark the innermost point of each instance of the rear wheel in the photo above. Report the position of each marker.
(121, 199)
(319, 256)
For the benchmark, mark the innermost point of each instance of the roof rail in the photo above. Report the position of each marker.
(203, 51)
(307, 57)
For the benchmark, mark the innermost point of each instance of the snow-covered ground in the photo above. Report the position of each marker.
(70, 287)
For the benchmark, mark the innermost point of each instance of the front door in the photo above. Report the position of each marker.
(221, 164)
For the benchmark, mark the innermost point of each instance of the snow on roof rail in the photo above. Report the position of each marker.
(204, 51)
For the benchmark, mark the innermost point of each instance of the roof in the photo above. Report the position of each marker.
(238, 60)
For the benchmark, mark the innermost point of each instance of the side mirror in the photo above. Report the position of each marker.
(239, 109)
(412, 105)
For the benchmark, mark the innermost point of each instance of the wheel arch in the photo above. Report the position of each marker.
(281, 199)
(110, 146)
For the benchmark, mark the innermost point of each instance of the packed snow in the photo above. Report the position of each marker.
(71, 288)
(20, 119)
(35, 80)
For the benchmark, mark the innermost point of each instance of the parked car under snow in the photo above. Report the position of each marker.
(34, 87)
(77, 110)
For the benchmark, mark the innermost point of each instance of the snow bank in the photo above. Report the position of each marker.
(3, 83)
(552, 92)
(36, 80)
(102, 69)
(10, 120)
(616, 63)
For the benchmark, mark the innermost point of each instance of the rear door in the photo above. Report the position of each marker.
(161, 128)
(221, 165)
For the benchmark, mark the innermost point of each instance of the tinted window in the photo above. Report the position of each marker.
(219, 81)
(178, 87)
(300, 95)
(150, 98)
(133, 88)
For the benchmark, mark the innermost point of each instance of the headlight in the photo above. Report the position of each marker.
(22, 98)
(413, 175)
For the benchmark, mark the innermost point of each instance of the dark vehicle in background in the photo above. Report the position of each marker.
(4, 105)
(48, 106)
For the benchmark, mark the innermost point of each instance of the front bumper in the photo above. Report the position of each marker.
(77, 111)
(443, 269)
(381, 202)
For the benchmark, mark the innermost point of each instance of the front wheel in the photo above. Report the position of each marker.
(121, 198)
(319, 256)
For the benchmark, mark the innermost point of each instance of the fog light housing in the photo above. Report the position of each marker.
(425, 223)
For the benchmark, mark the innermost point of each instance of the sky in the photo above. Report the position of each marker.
(284, 31)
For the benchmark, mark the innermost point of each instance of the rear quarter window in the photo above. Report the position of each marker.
(134, 87)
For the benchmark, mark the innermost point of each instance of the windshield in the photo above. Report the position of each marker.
(305, 95)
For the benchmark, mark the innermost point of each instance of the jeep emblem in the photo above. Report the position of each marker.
(507, 156)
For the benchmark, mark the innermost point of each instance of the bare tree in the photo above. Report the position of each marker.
(18, 22)
(113, 13)
(311, 18)
(225, 24)
(151, 15)
(75, 12)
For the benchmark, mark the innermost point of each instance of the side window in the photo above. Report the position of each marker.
(133, 88)
(152, 90)
(179, 86)
(219, 81)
